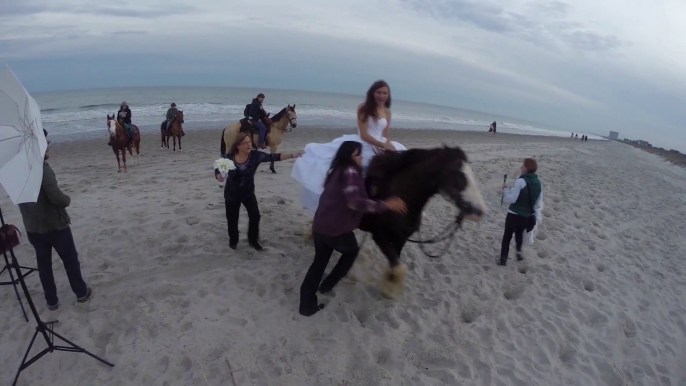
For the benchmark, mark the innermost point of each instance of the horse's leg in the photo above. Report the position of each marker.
(272, 149)
(138, 151)
(394, 278)
(116, 153)
(180, 141)
(162, 136)
(123, 157)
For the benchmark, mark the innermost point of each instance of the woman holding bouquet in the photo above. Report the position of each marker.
(240, 187)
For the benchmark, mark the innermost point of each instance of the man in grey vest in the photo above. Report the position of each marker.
(525, 199)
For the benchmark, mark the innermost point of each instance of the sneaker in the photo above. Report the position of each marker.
(55, 307)
(256, 245)
(86, 298)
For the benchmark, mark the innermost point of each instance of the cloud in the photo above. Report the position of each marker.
(586, 63)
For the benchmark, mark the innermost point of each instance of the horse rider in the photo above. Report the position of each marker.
(124, 117)
(257, 113)
(171, 116)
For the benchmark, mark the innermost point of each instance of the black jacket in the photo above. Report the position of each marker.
(127, 118)
(256, 110)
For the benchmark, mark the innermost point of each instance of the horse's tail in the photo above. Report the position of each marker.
(223, 145)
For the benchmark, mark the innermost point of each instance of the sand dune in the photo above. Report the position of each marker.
(599, 300)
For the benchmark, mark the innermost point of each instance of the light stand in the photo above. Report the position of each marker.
(14, 282)
(42, 328)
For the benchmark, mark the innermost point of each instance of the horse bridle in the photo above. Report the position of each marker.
(290, 122)
(447, 233)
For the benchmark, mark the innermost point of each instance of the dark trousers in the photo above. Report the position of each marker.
(324, 246)
(232, 211)
(63, 242)
(514, 224)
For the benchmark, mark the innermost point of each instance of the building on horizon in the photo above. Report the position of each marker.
(614, 135)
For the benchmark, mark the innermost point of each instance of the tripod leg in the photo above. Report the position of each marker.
(26, 355)
(78, 348)
(16, 291)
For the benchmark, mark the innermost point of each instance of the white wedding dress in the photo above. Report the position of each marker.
(310, 169)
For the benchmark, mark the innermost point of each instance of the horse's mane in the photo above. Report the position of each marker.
(279, 115)
(390, 163)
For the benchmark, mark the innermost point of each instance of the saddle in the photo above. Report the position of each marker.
(248, 128)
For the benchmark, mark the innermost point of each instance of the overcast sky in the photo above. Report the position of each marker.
(587, 65)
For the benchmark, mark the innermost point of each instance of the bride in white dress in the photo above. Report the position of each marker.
(373, 122)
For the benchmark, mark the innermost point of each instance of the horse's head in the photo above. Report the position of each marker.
(458, 184)
(292, 116)
(111, 125)
(179, 116)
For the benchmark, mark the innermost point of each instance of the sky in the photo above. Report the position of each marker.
(586, 65)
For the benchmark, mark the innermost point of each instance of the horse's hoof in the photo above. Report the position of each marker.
(273, 171)
(118, 171)
(393, 281)
(309, 233)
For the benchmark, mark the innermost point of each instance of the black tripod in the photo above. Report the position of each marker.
(43, 328)
(14, 282)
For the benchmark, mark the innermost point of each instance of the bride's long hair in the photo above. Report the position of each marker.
(369, 108)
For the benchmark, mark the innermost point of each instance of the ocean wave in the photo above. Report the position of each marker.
(116, 105)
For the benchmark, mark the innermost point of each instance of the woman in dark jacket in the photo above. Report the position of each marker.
(340, 210)
(240, 187)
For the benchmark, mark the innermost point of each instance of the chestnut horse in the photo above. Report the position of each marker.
(175, 131)
(279, 127)
(120, 140)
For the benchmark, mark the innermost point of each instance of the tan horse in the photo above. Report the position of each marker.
(120, 140)
(280, 126)
(176, 131)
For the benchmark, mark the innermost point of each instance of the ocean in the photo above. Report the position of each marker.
(82, 114)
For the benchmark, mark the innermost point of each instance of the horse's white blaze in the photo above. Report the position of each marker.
(112, 128)
(471, 193)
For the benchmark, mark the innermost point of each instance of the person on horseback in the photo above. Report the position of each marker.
(171, 116)
(257, 113)
(124, 117)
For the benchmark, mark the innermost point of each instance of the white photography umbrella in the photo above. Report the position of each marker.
(22, 142)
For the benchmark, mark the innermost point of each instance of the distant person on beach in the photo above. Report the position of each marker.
(572, 135)
(171, 116)
(493, 128)
(374, 133)
(257, 113)
(340, 211)
(526, 200)
(47, 226)
(240, 187)
(124, 117)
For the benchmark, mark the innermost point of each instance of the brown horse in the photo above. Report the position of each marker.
(275, 132)
(176, 131)
(120, 140)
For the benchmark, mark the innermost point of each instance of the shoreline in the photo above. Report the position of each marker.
(150, 131)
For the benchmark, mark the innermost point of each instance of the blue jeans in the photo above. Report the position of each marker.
(63, 242)
(129, 130)
(263, 131)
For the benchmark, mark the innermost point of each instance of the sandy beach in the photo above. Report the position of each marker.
(600, 298)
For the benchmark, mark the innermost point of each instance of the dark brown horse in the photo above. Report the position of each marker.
(120, 140)
(175, 131)
(415, 176)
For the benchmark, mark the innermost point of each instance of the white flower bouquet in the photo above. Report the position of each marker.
(224, 166)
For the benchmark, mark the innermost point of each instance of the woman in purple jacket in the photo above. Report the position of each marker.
(340, 210)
